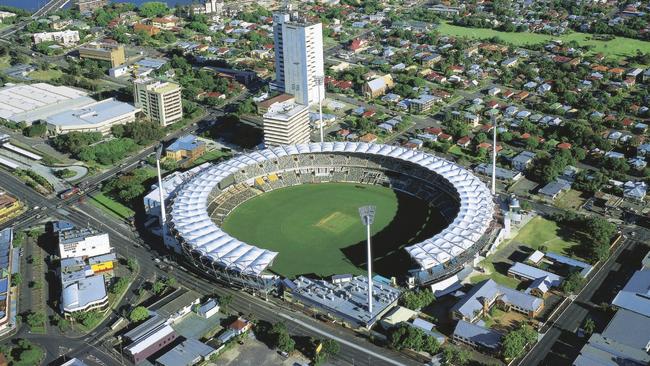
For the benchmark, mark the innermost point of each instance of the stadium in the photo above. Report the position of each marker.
(269, 195)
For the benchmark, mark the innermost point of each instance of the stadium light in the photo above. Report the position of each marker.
(318, 79)
(367, 214)
(494, 155)
(161, 190)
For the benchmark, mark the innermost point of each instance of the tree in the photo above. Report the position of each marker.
(35, 130)
(573, 283)
(280, 337)
(36, 319)
(413, 338)
(515, 342)
(158, 287)
(225, 301)
(119, 285)
(454, 356)
(153, 9)
(589, 326)
(416, 300)
(138, 314)
(16, 279)
(132, 264)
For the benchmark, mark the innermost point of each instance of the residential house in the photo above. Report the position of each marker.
(522, 161)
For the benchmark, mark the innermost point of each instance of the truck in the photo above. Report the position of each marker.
(68, 193)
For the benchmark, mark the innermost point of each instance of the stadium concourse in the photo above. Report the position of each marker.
(199, 207)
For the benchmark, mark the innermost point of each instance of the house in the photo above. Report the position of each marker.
(145, 28)
(494, 91)
(208, 309)
(368, 138)
(240, 326)
(554, 188)
(397, 316)
(522, 161)
(464, 141)
(166, 23)
(358, 45)
(509, 62)
(477, 336)
(423, 103)
(563, 146)
(502, 174)
(635, 190)
(377, 86)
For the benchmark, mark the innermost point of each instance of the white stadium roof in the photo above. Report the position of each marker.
(190, 218)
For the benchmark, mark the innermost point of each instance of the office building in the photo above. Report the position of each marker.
(286, 124)
(298, 57)
(96, 117)
(88, 6)
(111, 53)
(160, 101)
(83, 243)
(66, 38)
(185, 150)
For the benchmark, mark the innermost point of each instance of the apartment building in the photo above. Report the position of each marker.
(285, 124)
(160, 101)
(112, 53)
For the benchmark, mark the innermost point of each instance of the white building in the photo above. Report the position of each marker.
(208, 7)
(83, 243)
(286, 124)
(159, 100)
(33, 102)
(67, 37)
(298, 57)
(96, 117)
(5, 14)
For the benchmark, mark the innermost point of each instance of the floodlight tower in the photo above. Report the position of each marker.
(161, 190)
(318, 79)
(494, 155)
(367, 214)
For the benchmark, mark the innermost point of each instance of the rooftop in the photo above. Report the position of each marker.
(348, 300)
(635, 296)
(185, 354)
(187, 143)
(83, 292)
(77, 235)
(629, 328)
(472, 304)
(19, 102)
(477, 334)
(93, 114)
(284, 110)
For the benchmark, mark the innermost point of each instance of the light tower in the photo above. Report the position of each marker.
(367, 214)
(161, 190)
(494, 155)
(318, 79)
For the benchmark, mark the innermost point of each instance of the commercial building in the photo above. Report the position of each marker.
(625, 341)
(88, 6)
(96, 117)
(159, 100)
(150, 341)
(347, 300)
(9, 265)
(9, 206)
(286, 124)
(298, 57)
(66, 38)
(33, 102)
(85, 242)
(185, 150)
(86, 257)
(634, 295)
(111, 53)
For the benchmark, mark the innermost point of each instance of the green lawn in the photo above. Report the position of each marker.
(45, 75)
(540, 231)
(110, 205)
(317, 230)
(617, 47)
(210, 156)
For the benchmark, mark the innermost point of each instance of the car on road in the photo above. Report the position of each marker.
(156, 260)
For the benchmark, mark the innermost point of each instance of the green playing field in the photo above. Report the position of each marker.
(317, 230)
